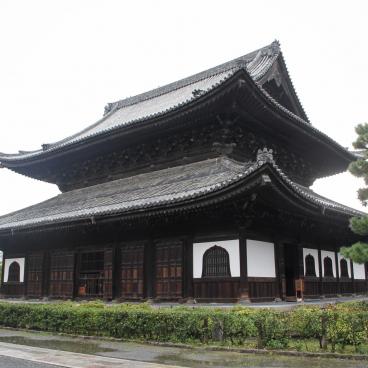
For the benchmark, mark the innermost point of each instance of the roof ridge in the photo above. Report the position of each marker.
(270, 53)
(237, 63)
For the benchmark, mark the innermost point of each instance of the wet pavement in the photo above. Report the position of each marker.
(8, 362)
(184, 357)
(282, 305)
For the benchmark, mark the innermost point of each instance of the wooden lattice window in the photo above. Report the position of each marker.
(91, 274)
(131, 271)
(34, 274)
(216, 263)
(310, 268)
(344, 268)
(327, 265)
(61, 274)
(14, 272)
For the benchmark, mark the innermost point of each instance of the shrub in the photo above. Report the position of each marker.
(273, 329)
(307, 322)
(339, 325)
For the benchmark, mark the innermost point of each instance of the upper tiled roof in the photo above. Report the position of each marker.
(152, 190)
(161, 100)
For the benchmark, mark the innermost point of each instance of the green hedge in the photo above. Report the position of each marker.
(338, 325)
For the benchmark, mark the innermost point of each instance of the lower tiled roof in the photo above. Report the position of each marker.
(150, 190)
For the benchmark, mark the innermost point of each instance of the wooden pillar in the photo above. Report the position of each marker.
(45, 274)
(244, 285)
(25, 276)
(352, 276)
(320, 288)
(116, 270)
(188, 270)
(76, 271)
(280, 269)
(149, 270)
(2, 275)
(337, 273)
(300, 258)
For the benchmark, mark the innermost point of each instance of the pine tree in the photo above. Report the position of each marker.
(358, 252)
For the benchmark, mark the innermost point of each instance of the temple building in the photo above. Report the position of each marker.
(197, 190)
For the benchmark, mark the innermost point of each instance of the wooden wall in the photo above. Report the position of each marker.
(162, 270)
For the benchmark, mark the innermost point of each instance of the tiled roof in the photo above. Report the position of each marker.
(152, 190)
(164, 99)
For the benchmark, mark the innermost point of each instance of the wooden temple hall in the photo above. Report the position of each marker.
(197, 190)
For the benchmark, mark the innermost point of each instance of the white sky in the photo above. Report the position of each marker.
(62, 61)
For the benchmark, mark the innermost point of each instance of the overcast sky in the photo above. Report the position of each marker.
(62, 61)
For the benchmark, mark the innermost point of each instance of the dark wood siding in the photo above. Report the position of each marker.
(217, 288)
(169, 269)
(108, 262)
(62, 274)
(35, 275)
(311, 286)
(262, 288)
(131, 271)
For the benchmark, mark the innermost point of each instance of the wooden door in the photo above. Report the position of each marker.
(91, 273)
(169, 269)
(108, 265)
(62, 274)
(131, 271)
(35, 275)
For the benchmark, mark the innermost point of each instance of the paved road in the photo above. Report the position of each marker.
(49, 357)
(48, 351)
(7, 362)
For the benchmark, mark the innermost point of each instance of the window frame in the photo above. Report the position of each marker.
(222, 256)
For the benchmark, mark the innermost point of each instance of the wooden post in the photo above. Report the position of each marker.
(352, 276)
(300, 261)
(76, 270)
(116, 265)
(2, 275)
(45, 274)
(25, 276)
(149, 269)
(188, 270)
(337, 273)
(321, 293)
(300, 258)
(280, 268)
(244, 296)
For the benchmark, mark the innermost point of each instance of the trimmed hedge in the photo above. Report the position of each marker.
(335, 325)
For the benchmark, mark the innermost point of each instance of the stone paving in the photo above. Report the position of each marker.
(36, 345)
(276, 304)
(7, 362)
(70, 360)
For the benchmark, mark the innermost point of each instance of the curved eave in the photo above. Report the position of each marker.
(148, 122)
(294, 122)
(235, 79)
(260, 174)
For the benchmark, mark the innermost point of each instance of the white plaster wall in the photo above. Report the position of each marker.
(231, 246)
(340, 257)
(325, 253)
(359, 271)
(314, 254)
(260, 259)
(7, 264)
